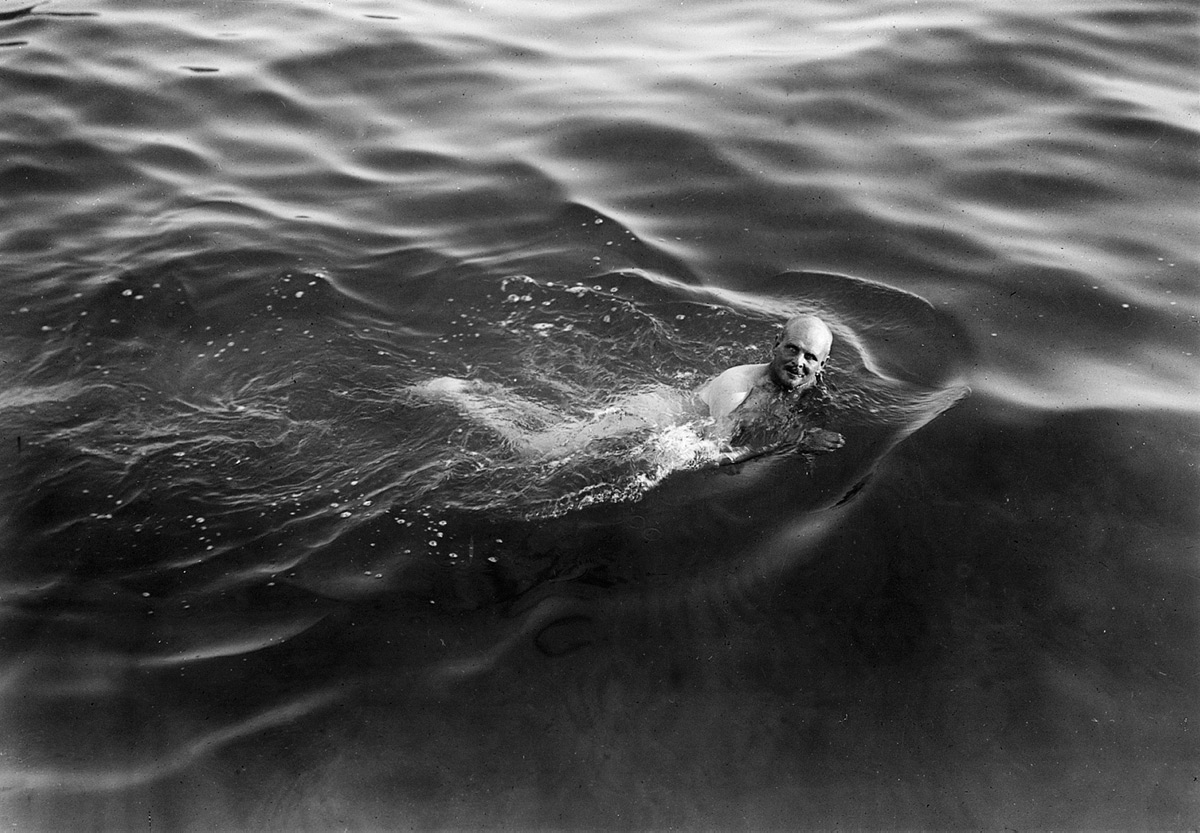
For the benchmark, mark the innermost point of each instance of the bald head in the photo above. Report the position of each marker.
(800, 352)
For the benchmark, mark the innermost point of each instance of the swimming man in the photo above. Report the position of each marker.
(755, 398)
(753, 406)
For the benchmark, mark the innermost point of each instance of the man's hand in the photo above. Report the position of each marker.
(819, 440)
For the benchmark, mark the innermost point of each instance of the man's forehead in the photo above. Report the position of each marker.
(805, 328)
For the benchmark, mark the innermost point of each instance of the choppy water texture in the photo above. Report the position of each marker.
(249, 580)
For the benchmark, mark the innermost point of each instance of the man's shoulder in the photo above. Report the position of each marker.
(729, 389)
(744, 374)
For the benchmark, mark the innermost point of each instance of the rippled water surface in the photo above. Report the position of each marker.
(252, 576)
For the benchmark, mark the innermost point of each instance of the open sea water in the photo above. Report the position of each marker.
(250, 580)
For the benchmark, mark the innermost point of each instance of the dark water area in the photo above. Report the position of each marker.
(252, 579)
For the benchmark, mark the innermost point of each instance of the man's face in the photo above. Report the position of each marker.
(800, 353)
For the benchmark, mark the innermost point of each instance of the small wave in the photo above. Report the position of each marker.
(205, 645)
(122, 776)
(24, 396)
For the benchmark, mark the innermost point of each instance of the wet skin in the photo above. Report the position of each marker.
(740, 396)
(744, 393)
